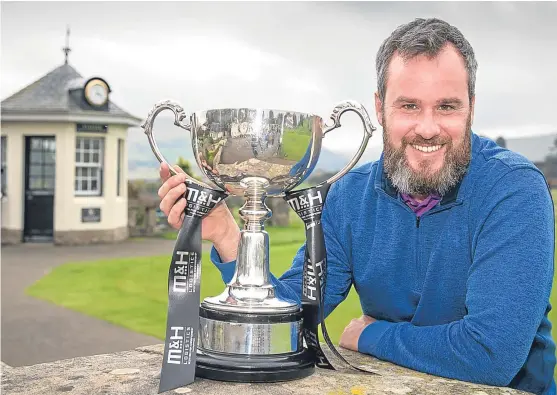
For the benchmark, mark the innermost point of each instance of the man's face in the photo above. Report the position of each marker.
(426, 118)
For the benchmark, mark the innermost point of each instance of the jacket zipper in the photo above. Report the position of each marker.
(418, 220)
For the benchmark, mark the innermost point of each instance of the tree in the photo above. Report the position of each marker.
(550, 165)
(186, 166)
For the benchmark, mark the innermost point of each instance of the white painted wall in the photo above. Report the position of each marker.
(67, 206)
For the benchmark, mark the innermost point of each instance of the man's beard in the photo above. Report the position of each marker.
(424, 181)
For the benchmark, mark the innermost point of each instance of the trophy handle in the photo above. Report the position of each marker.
(179, 116)
(340, 109)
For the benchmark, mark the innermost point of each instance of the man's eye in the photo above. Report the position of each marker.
(410, 106)
(446, 107)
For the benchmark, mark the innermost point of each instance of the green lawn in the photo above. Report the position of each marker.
(296, 141)
(132, 292)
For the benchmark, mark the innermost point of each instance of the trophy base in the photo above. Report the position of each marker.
(247, 347)
(254, 368)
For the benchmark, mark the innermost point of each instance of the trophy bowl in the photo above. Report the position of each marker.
(236, 148)
(248, 333)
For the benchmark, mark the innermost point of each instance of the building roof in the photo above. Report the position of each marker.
(52, 95)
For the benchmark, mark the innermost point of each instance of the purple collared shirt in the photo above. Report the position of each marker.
(421, 207)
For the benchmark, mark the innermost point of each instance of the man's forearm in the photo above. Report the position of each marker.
(227, 246)
(454, 350)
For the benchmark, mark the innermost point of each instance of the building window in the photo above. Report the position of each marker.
(4, 166)
(89, 166)
(120, 167)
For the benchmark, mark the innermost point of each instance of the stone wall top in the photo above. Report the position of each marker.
(136, 372)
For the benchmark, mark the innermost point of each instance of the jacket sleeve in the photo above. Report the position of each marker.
(508, 291)
(339, 273)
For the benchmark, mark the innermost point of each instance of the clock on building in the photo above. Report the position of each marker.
(96, 92)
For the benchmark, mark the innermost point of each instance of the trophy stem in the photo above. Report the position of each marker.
(255, 212)
(250, 289)
(251, 280)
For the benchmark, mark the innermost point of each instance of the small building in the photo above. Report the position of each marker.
(64, 161)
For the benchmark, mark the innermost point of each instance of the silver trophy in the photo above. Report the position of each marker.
(248, 333)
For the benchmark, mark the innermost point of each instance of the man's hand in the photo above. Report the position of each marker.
(351, 335)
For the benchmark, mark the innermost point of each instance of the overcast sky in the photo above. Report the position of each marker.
(288, 55)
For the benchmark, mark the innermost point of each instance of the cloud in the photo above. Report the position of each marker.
(304, 56)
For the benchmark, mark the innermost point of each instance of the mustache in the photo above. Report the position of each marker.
(419, 140)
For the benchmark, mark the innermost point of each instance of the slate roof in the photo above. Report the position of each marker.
(52, 94)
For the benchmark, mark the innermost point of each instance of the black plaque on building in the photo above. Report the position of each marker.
(92, 128)
(91, 214)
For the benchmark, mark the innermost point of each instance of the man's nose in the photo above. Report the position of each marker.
(427, 126)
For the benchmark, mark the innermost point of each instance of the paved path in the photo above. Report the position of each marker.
(35, 331)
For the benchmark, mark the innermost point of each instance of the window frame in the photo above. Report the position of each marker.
(83, 169)
(3, 166)
(120, 176)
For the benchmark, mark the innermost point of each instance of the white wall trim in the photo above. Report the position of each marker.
(83, 118)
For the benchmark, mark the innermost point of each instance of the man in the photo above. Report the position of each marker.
(448, 239)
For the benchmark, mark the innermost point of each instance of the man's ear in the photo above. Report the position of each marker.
(378, 109)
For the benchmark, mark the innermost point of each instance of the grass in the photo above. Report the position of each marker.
(132, 292)
(295, 142)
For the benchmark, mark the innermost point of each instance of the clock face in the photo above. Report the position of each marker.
(96, 92)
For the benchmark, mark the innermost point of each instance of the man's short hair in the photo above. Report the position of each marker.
(424, 37)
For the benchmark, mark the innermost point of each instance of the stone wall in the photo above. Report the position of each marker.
(137, 372)
(80, 237)
(11, 236)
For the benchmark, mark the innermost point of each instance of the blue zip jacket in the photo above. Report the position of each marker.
(462, 292)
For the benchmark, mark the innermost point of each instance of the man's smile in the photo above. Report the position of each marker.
(427, 148)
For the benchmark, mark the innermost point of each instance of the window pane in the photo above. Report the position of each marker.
(96, 144)
(48, 183)
(48, 145)
(94, 185)
(84, 185)
(77, 184)
(77, 156)
(94, 172)
(35, 183)
(86, 157)
(49, 157)
(49, 170)
(3, 153)
(36, 157)
(86, 143)
(35, 170)
(95, 158)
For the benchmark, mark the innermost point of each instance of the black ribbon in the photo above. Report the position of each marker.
(184, 275)
(308, 204)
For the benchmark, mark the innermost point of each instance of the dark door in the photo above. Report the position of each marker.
(40, 162)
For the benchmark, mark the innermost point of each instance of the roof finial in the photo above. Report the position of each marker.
(67, 48)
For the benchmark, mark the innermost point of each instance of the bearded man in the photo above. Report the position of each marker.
(448, 238)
